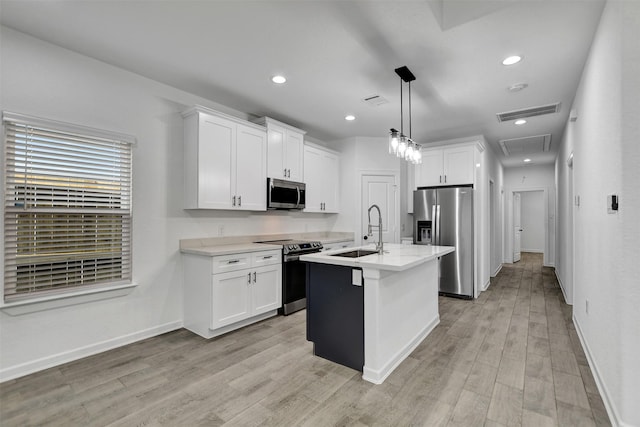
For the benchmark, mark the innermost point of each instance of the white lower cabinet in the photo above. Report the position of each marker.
(227, 292)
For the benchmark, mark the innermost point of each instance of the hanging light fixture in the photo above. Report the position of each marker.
(399, 144)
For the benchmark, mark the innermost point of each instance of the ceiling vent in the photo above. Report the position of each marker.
(375, 100)
(526, 145)
(528, 112)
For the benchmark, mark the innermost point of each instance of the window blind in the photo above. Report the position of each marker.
(67, 207)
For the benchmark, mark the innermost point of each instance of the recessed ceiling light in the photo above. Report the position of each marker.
(512, 60)
(517, 87)
(527, 160)
(278, 79)
(520, 122)
(350, 117)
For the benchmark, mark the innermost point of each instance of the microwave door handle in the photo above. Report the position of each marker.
(298, 190)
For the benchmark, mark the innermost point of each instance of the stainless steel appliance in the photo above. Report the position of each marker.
(294, 272)
(443, 216)
(283, 194)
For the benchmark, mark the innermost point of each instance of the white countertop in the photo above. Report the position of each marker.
(236, 248)
(396, 257)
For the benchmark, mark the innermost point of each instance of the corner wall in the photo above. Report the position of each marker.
(605, 142)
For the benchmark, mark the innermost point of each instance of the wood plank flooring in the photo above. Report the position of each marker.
(510, 358)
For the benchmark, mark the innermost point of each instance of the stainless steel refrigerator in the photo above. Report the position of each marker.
(444, 217)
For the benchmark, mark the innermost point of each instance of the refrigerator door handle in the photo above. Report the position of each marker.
(436, 218)
(435, 227)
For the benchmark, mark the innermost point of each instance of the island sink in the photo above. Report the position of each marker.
(356, 254)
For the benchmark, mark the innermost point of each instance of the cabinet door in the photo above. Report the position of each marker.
(458, 165)
(251, 166)
(215, 159)
(230, 298)
(266, 289)
(275, 151)
(313, 179)
(331, 188)
(430, 171)
(293, 151)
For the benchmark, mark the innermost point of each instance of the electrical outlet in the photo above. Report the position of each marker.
(586, 306)
(221, 230)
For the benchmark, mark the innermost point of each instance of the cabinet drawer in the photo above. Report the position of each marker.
(259, 259)
(222, 264)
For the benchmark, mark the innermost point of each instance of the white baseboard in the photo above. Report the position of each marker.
(485, 286)
(495, 273)
(30, 367)
(533, 251)
(564, 293)
(604, 392)
(377, 376)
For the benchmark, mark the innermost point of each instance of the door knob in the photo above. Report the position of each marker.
(365, 237)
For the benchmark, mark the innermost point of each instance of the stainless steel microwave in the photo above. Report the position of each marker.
(283, 194)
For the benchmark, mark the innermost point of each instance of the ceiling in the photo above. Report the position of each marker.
(336, 53)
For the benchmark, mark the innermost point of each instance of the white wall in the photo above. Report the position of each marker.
(495, 174)
(528, 178)
(604, 140)
(358, 155)
(43, 80)
(532, 221)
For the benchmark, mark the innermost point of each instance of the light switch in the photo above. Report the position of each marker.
(356, 277)
(612, 203)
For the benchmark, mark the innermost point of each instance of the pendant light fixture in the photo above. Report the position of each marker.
(399, 144)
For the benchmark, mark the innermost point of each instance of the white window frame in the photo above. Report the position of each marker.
(96, 193)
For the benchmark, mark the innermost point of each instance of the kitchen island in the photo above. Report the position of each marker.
(370, 312)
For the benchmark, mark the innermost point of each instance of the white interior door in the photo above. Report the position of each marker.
(517, 226)
(379, 190)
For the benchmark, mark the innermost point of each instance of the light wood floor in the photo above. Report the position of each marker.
(512, 357)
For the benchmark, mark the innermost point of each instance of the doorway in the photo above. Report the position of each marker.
(528, 225)
(379, 189)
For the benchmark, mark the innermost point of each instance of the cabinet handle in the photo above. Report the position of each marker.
(267, 257)
(440, 179)
(234, 201)
(288, 173)
(239, 200)
(249, 278)
(254, 277)
(233, 261)
(285, 172)
(445, 179)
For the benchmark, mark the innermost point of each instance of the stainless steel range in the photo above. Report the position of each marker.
(294, 272)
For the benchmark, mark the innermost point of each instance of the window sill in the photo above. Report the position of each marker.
(56, 301)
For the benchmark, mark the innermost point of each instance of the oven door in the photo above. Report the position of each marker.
(294, 283)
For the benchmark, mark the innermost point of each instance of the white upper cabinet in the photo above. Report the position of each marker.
(322, 177)
(446, 166)
(284, 150)
(225, 162)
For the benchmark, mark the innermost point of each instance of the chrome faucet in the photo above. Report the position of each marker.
(379, 244)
